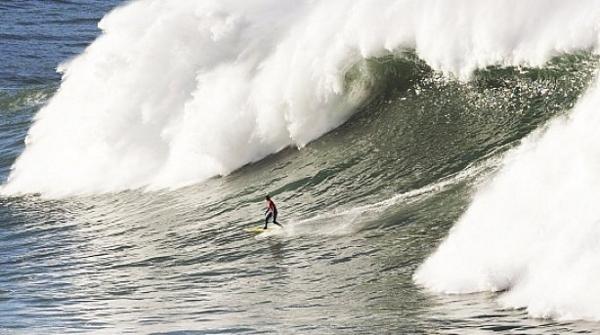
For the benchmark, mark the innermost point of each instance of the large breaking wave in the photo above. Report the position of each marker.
(173, 93)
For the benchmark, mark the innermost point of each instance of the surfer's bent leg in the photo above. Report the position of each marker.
(267, 219)
(275, 219)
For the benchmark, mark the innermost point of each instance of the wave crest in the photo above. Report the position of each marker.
(173, 93)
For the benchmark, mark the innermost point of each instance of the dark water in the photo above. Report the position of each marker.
(362, 207)
(37, 35)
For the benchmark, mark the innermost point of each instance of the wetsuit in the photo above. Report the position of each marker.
(271, 213)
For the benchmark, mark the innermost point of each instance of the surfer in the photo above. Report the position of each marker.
(271, 212)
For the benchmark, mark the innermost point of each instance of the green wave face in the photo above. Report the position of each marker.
(417, 127)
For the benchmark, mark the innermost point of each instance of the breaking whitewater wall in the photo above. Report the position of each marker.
(173, 93)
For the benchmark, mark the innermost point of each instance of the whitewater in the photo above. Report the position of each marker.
(174, 93)
(436, 163)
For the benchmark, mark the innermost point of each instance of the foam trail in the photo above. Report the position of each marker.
(534, 230)
(344, 221)
(174, 92)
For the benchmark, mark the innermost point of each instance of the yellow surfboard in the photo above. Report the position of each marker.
(257, 230)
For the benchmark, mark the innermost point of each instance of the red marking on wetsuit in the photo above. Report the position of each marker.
(271, 206)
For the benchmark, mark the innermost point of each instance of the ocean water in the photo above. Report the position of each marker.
(434, 165)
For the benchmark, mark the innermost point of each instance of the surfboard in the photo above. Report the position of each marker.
(257, 230)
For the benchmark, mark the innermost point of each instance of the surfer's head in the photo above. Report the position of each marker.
(268, 197)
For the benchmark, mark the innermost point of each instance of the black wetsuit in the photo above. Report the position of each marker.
(271, 213)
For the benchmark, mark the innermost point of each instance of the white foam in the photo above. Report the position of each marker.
(174, 92)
